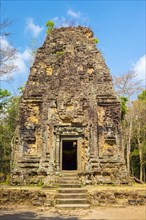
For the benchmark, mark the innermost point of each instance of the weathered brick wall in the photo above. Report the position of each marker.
(69, 85)
(43, 198)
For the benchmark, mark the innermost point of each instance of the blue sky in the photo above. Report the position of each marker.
(119, 26)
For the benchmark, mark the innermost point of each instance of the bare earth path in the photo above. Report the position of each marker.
(100, 213)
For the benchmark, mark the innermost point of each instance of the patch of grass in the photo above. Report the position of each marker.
(59, 52)
(40, 184)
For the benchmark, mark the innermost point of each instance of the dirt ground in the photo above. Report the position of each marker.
(99, 213)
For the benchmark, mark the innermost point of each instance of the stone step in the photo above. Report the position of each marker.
(69, 178)
(69, 182)
(71, 201)
(72, 206)
(68, 174)
(72, 190)
(71, 185)
(71, 195)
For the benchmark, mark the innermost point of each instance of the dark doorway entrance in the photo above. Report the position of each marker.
(69, 155)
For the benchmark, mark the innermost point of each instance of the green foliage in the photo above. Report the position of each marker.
(8, 123)
(50, 26)
(40, 183)
(60, 52)
(144, 152)
(142, 96)
(123, 106)
(4, 94)
(12, 111)
(21, 89)
(144, 147)
(4, 179)
(134, 153)
(7, 182)
(96, 40)
(137, 113)
(134, 159)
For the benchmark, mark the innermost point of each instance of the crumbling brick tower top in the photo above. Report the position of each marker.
(69, 110)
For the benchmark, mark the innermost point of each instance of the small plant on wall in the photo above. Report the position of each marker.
(96, 40)
(60, 52)
(50, 26)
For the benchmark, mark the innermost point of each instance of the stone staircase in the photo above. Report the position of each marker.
(70, 193)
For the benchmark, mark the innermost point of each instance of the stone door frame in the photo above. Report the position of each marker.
(68, 132)
(71, 138)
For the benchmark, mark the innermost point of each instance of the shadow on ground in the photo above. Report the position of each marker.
(32, 215)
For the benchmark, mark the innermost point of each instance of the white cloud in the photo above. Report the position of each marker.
(4, 43)
(23, 60)
(74, 20)
(33, 28)
(140, 67)
(73, 13)
(64, 22)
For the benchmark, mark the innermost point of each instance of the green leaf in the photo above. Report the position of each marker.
(96, 40)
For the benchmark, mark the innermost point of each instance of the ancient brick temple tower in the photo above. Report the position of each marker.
(69, 115)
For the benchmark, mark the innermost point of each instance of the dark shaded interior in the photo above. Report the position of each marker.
(69, 155)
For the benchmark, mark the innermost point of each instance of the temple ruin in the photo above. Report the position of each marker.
(69, 115)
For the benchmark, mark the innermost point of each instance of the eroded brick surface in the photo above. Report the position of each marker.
(69, 95)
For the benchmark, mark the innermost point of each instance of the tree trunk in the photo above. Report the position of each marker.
(140, 152)
(140, 158)
(144, 178)
(128, 146)
(132, 170)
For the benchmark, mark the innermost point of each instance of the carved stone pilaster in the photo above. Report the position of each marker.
(57, 152)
